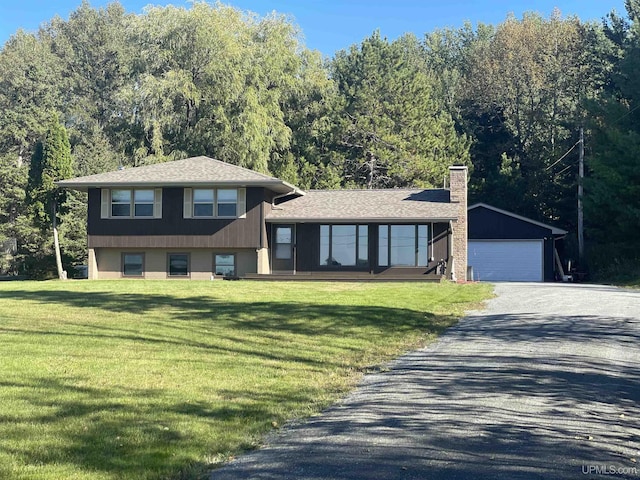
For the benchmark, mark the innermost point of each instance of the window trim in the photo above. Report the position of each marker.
(194, 203)
(124, 275)
(169, 275)
(188, 210)
(235, 263)
(358, 245)
(106, 203)
(134, 203)
(113, 203)
(218, 203)
(416, 244)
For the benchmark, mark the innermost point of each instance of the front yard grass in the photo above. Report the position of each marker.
(155, 380)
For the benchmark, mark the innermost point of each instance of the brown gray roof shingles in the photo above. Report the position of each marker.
(316, 205)
(374, 205)
(190, 171)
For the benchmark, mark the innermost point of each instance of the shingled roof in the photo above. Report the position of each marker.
(392, 205)
(191, 171)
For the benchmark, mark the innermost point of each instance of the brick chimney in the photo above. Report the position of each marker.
(458, 194)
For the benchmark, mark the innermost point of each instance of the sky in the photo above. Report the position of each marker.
(332, 25)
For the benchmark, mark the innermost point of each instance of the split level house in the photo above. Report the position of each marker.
(201, 218)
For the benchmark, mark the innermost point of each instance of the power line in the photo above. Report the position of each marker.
(562, 157)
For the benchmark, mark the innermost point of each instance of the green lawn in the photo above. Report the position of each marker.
(154, 380)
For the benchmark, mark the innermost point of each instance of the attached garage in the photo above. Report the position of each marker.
(506, 247)
(507, 261)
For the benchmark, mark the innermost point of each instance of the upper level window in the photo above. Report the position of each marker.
(143, 203)
(227, 202)
(131, 203)
(214, 202)
(203, 202)
(344, 245)
(120, 203)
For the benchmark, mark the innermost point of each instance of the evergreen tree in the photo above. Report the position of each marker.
(51, 161)
(391, 130)
(612, 186)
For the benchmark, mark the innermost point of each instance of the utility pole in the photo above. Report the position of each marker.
(580, 193)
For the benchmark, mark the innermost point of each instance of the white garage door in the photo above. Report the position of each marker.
(506, 261)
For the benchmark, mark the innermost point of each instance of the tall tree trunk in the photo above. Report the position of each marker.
(62, 275)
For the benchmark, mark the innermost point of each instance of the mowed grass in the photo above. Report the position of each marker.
(155, 380)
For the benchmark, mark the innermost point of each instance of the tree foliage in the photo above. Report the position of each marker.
(51, 161)
(612, 200)
(390, 129)
(506, 99)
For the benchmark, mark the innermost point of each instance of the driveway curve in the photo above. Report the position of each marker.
(542, 384)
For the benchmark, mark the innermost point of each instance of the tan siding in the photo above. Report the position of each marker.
(109, 262)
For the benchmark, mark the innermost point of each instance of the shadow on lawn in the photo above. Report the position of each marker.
(205, 322)
(120, 432)
(537, 397)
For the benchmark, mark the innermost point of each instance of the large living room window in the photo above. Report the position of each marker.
(132, 203)
(403, 245)
(344, 245)
(178, 264)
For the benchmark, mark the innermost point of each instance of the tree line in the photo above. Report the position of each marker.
(507, 100)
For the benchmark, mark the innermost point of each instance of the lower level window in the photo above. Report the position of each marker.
(178, 264)
(132, 264)
(225, 264)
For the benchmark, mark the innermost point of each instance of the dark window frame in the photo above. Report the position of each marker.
(169, 274)
(389, 239)
(122, 265)
(289, 244)
(235, 263)
(358, 245)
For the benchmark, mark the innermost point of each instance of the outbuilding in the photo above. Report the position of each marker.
(507, 247)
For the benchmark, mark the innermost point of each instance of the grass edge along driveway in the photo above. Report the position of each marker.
(151, 380)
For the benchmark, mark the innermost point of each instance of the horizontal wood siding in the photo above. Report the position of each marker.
(174, 231)
(485, 224)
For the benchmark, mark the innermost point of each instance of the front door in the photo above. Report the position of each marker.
(283, 255)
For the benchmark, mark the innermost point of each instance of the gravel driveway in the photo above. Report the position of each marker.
(543, 384)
